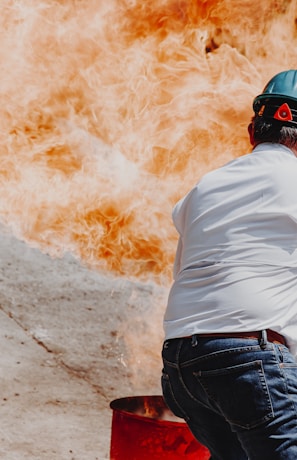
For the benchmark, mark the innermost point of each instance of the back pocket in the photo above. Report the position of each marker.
(240, 393)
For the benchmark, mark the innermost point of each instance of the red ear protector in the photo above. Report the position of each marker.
(277, 109)
(283, 113)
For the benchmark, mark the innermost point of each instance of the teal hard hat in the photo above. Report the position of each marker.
(278, 101)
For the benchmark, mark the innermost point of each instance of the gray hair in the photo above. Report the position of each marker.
(273, 131)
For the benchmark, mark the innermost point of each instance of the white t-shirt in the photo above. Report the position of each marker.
(236, 263)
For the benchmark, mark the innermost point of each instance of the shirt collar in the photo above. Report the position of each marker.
(272, 147)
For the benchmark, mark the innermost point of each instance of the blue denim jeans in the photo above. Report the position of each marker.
(238, 396)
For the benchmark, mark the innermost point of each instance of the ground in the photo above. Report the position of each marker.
(72, 340)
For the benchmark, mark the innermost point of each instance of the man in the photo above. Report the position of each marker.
(231, 319)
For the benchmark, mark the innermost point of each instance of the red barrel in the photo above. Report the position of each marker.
(143, 428)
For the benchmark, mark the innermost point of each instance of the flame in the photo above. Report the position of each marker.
(151, 408)
(111, 111)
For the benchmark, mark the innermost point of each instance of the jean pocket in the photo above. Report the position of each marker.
(169, 397)
(240, 393)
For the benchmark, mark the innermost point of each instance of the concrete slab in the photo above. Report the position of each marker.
(44, 414)
(72, 340)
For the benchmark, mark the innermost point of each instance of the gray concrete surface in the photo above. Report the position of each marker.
(72, 340)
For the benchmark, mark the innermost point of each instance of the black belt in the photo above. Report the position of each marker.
(272, 336)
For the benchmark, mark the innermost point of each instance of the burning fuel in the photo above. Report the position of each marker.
(110, 111)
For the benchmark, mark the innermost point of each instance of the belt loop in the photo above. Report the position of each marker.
(263, 340)
(194, 341)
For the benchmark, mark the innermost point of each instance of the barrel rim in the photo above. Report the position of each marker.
(115, 405)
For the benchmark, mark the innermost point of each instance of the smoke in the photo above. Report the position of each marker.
(111, 111)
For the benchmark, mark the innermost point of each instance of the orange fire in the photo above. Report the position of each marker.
(111, 111)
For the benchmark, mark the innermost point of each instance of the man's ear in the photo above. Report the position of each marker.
(251, 134)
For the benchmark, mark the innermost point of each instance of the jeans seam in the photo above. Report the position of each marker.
(218, 354)
(179, 367)
(282, 372)
(186, 418)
